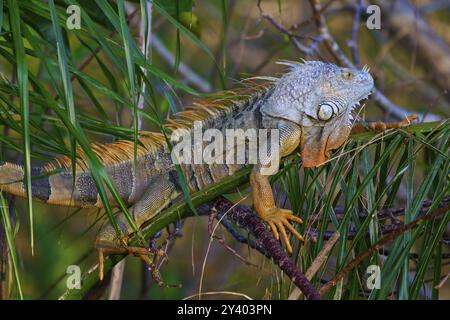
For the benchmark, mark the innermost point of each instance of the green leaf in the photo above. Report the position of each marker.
(67, 84)
(22, 80)
(10, 240)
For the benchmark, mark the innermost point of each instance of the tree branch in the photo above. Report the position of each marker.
(246, 218)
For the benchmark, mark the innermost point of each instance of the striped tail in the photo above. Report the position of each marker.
(50, 188)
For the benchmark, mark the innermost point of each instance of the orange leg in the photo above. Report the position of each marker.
(278, 219)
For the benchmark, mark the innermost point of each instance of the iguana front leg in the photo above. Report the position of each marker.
(278, 219)
(263, 200)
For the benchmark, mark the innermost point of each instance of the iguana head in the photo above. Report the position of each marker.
(320, 98)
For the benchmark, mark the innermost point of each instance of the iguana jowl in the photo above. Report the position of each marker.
(311, 105)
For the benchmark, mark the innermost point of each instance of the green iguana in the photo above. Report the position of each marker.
(311, 106)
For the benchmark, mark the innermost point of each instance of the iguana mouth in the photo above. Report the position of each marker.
(316, 151)
(358, 103)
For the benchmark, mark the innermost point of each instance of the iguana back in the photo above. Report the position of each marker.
(53, 183)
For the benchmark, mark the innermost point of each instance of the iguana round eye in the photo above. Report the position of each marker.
(325, 112)
(347, 75)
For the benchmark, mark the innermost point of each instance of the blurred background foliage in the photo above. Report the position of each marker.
(61, 88)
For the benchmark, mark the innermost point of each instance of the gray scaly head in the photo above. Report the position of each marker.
(320, 98)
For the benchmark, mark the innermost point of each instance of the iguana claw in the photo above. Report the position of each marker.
(380, 126)
(141, 252)
(280, 219)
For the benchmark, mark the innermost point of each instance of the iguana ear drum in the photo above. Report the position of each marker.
(327, 110)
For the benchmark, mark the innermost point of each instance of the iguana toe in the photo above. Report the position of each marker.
(279, 219)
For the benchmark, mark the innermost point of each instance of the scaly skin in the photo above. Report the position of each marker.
(311, 106)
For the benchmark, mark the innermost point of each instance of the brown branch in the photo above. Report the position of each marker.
(246, 218)
(353, 42)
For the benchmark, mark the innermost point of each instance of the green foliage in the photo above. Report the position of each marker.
(62, 89)
(10, 233)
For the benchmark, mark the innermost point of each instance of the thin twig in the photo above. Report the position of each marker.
(243, 239)
(221, 240)
(443, 281)
(317, 263)
(353, 42)
(382, 213)
(115, 284)
(307, 50)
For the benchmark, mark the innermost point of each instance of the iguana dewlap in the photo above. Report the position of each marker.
(311, 105)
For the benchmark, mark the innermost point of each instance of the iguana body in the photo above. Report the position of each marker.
(310, 105)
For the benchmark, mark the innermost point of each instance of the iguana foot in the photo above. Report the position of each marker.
(380, 126)
(280, 219)
(383, 126)
(144, 253)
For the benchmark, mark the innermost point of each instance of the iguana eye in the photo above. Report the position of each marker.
(347, 75)
(325, 112)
